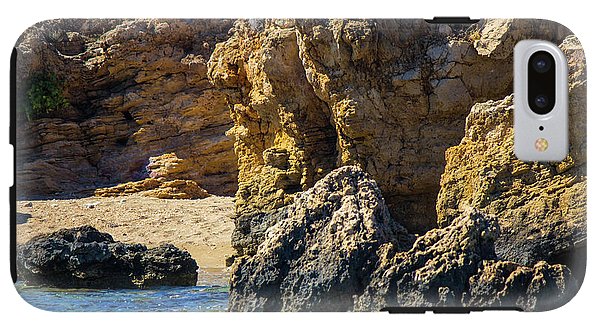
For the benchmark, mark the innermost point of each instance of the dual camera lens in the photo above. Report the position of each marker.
(541, 82)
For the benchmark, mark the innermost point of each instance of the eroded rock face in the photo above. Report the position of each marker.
(498, 37)
(337, 249)
(136, 89)
(83, 257)
(502, 283)
(436, 270)
(308, 96)
(165, 182)
(541, 207)
(322, 253)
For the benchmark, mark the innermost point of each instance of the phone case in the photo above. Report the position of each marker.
(288, 165)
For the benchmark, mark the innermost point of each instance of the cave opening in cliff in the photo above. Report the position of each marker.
(127, 115)
(122, 141)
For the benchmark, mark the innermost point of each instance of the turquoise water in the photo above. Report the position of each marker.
(190, 298)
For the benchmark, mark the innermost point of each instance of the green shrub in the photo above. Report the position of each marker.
(44, 96)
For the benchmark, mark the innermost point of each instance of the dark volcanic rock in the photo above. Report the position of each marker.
(322, 253)
(85, 257)
(456, 266)
(503, 283)
(338, 249)
(436, 270)
(249, 231)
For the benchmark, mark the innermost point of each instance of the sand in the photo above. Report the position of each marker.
(202, 227)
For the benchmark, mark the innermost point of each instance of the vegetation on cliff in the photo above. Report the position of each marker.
(44, 96)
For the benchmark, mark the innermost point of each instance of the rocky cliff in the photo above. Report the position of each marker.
(506, 228)
(135, 89)
(541, 206)
(308, 96)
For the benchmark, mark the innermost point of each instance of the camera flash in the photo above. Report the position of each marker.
(541, 144)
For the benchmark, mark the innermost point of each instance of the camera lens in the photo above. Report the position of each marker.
(541, 101)
(541, 62)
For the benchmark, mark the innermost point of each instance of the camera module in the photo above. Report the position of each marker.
(541, 82)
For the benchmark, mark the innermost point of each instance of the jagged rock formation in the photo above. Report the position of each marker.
(436, 270)
(395, 125)
(456, 266)
(311, 95)
(319, 256)
(541, 206)
(136, 89)
(501, 283)
(164, 182)
(338, 249)
(85, 257)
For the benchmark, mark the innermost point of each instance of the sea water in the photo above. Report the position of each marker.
(189, 298)
(210, 294)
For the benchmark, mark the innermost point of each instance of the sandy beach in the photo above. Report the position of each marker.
(202, 227)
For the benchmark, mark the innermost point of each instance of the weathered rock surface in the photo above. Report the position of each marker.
(308, 96)
(164, 182)
(436, 270)
(498, 37)
(502, 283)
(456, 266)
(156, 188)
(541, 207)
(322, 253)
(337, 249)
(136, 89)
(84, 257)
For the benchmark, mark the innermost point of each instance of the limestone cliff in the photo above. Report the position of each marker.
(136, 89)
(541, 206)
(507, 228)
(308, 96)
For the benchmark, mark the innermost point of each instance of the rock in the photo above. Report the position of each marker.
(168, 166)
(337, 249)
(164, 182)
(541, 207)
(502, 283)
(321, 254)
(249, 231)
(91, 204)
(150, 187)
(83, 257)
(436, 270)
(229, 259)
(309, 96)
(498, 37)
(28, 204)
(136, 89)
(456, 266)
